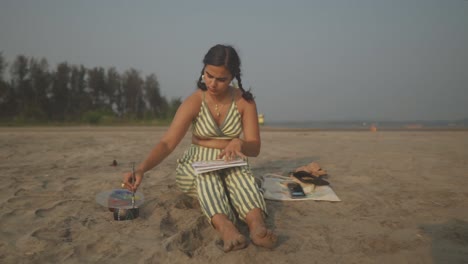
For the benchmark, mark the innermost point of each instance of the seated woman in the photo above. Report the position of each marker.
(218, 114)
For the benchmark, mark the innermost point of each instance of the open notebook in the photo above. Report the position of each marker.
(212, 165)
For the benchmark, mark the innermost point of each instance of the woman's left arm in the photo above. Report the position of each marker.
(249, 145)
(251, 142)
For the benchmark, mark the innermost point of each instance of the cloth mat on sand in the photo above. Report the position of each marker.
(274, 188)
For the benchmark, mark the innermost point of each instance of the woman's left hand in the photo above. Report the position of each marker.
(233, 150)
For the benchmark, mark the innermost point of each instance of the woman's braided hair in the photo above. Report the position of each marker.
(224, 55)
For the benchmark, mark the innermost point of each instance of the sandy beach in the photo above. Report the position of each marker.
(404, 199)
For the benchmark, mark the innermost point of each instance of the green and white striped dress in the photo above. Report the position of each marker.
(208, 187)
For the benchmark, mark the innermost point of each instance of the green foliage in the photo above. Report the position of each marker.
(3, 66)
(71, 94)
(32, 113)
(97, 117)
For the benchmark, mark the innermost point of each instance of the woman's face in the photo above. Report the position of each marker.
(217, 79)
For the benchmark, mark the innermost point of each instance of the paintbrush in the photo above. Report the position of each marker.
(133, 181)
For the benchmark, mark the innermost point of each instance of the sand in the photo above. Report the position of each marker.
(404, 199)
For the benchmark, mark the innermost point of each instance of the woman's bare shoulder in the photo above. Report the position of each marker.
(241, 102)
(195, 98)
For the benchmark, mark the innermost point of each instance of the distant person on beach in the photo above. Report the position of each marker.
(218, 114)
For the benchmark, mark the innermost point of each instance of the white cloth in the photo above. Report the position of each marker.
(274, 188)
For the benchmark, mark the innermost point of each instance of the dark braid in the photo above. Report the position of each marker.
(222, 55)
(246, 94)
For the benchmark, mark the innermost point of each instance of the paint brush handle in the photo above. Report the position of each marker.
(133, 181)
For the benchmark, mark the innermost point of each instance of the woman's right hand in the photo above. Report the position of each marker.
(128, 181)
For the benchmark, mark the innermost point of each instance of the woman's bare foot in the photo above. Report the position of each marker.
(232, 239)
(259, 233)
(263, 237)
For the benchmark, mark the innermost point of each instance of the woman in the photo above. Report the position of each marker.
(218, 114)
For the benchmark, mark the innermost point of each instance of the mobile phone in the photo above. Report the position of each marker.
(295, 190)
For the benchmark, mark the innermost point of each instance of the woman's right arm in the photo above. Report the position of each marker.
(180, 124)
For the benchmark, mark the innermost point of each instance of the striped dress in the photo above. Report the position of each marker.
(208, 187)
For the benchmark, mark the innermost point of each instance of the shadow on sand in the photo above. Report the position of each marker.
(280, 167)
(449, 241)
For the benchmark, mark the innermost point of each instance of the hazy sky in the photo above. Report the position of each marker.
(305, 60)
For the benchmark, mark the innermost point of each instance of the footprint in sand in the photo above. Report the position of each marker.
(190, 238)
(19, 209)
(31, 245)
(27, 201)
(167, 226)
(186, 202)
(62, 208)
(44, 238)
(54, 235)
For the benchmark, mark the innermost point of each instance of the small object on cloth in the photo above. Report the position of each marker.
(295, 190)
(114, 163)
(123, 185)
(306, 177)
(313, 168)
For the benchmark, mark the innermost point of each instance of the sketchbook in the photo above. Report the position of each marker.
(212, 165)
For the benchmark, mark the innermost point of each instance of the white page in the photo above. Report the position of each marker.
(207, 166)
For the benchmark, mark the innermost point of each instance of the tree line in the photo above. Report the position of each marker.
(74, 93)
